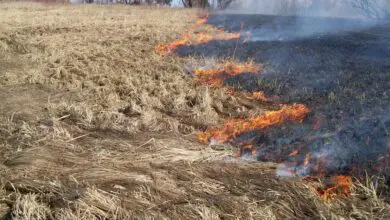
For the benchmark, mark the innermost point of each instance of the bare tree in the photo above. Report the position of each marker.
(164, 2)
(195, 3)
(222, 4)
(286, 7)
(376, 9)
(187, 3)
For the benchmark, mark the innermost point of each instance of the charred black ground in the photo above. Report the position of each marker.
(339, 68)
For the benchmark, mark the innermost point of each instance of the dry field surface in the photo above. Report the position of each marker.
(96, 125)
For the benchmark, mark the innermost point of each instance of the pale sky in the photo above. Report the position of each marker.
(176, 3)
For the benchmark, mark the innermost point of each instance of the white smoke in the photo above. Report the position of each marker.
(330, 17)
(323, 8)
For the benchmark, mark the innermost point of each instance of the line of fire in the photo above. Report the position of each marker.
(310, 132)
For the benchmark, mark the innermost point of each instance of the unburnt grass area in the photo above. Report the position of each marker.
(96, 125)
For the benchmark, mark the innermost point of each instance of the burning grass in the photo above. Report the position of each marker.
(87, 103)
(194, 37)
(232, 128)
(329, 188)
(215, 75)
(334, 187)
(339, 185)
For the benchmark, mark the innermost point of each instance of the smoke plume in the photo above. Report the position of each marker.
(325, 8)
(328, 16)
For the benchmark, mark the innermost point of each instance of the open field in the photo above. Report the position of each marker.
(96, 125)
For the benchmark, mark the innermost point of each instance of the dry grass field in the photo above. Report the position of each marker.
(96, 125)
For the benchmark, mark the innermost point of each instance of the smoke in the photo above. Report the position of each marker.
(324, 8)
(291, 22)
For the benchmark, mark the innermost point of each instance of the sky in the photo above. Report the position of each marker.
(176, 3)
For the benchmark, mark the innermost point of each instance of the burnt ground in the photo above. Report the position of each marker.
(339, 68)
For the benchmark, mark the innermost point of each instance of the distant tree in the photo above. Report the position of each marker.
(187, 3)
(287, 7)
(136, 2)
(164, 2)
(195, 3)
(376, 9)
(223, 4)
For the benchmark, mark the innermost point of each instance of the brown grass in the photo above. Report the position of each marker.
(95, 125)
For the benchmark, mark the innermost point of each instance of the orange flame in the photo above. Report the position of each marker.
(234, 127)
(259, 96)
(168, 48)
(307, 159)
(227, 36)
(216, 75)
(338, 186)
(195, 38)
(201, 20)
(293, 153)
(203, 38)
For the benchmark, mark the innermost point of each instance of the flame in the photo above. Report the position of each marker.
(259, 96)
(247, 150)
(202, 20)
(234, 127)
(338, 186)
(204, 38)
(168, 48)
(217, 74)
(254, 152)
(227, 36)
(195, 38)
(335, 186)
(293, 153)
(307, 159)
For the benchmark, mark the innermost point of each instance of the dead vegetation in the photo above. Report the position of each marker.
(96, 125)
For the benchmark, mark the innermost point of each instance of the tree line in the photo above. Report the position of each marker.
(375, 9)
